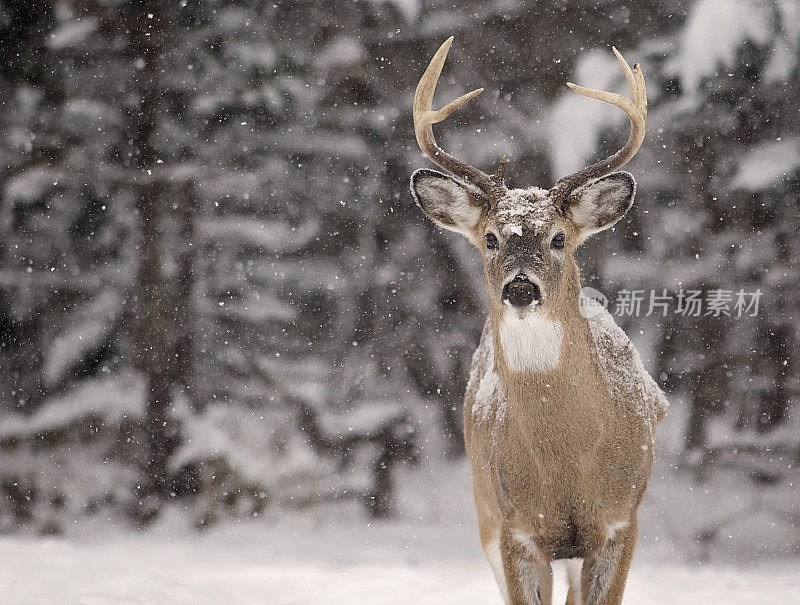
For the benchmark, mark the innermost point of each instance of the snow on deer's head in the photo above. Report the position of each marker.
(527, 237)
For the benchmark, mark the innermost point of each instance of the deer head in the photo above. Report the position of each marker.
(527, 237)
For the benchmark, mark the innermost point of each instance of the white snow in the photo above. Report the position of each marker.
(722, 432)
(309, 562)
(267, 235)
(489, 390)
(93, 111)
(258, 308)
(712, 35)
(30, 184)
(624, 372)
(245, 439)
(261, 55)
(341, 52)
(112, 397)
(368, 417)
(92, 326)
(766, 165)
(524, 209)
(72, 33)
(429, 555)
(789, 12)
(781, 63)
(409, 8)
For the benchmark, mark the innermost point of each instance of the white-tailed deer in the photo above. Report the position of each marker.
(559, 412)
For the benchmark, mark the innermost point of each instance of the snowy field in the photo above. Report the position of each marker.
(299, 563)
(431, 555)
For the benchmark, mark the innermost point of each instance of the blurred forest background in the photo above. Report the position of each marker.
(217, 295)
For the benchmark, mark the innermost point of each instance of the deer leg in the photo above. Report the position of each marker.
(528, 576)
(571, 596)
(575, 591)
(605, 573)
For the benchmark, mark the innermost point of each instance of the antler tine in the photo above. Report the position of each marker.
(641, 98)
(425, 117)
(636, 110)
(500, 174)
(632, 84)
(635, 79)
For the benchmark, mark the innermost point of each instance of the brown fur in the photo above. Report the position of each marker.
(559, 463)
(562, 464)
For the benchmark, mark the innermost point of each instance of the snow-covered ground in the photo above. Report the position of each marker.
(431, 554)
(303, 562)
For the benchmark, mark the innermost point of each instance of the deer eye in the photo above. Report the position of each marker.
(558, 241)
(491, 241)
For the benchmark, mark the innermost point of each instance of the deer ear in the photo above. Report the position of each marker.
(600, 203)
(450, 203)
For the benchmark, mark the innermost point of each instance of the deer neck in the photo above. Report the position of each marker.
(548, 346)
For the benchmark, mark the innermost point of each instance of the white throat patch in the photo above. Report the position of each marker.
(532, 342)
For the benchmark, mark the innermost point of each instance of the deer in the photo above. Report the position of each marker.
(559, 412)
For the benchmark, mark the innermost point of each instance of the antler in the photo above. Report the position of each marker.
(425, 117)
(636, 110)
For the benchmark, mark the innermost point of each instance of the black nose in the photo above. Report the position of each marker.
(521, 292)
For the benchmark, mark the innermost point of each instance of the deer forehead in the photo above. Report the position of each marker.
(524, 212)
